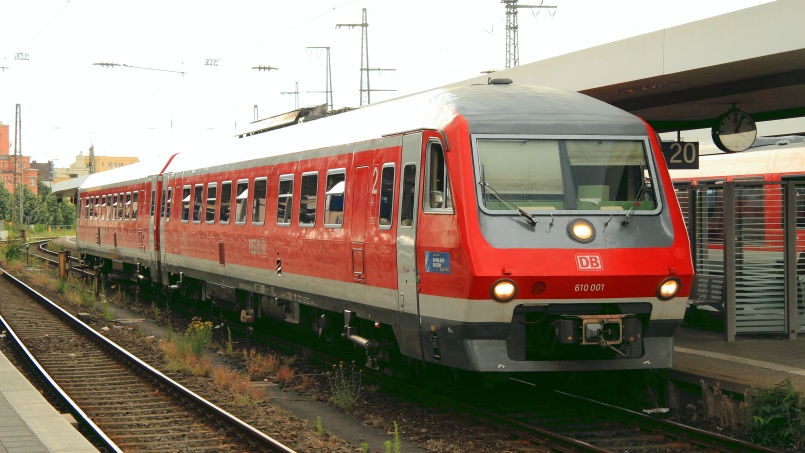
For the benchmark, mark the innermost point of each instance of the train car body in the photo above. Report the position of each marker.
(493, 228)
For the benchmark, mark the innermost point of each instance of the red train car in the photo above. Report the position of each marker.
(493, 228)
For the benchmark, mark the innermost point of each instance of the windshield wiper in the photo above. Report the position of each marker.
(636, 200)
(530, 218)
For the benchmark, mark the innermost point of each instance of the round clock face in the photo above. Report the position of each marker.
(735, 131)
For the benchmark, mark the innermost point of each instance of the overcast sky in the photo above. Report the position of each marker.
(68, 103)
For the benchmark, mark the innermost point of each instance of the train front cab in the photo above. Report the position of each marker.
(525, 292)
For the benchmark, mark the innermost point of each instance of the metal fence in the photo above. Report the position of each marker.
(745, 238)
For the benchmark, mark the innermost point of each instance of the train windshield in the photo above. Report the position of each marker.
(564, 175)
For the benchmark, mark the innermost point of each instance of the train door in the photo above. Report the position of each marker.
(360, 205)
(153, 227)
(407, 297)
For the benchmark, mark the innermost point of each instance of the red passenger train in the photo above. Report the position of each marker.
(493, 228)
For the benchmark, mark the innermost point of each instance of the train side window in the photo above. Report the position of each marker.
(259, 201)
(198, 193)
(168, 204)
(386, 204)
(162, 206)
(128, 206)
(240, 202)
(226, 202)
(285, 200)
(121, 206)
(334, 198)
(113, 212)
(135, 198)
(92, 208)
(185, 203)
(437, 184)
(408, 184)
(308, 199)
(153, 197)
(212, 199)
(109, 209)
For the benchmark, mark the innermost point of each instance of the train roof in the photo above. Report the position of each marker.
(500, 108)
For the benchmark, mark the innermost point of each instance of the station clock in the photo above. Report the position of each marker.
(734, 131)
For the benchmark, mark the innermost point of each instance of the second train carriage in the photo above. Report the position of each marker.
(493, 228)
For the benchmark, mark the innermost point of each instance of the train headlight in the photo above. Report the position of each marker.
(669, 288)
(581, 230)
(504, 290)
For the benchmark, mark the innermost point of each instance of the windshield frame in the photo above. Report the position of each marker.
(650, 165)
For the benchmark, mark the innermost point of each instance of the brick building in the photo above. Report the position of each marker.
(9, 165)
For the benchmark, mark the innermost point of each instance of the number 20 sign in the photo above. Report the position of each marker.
(681, 155)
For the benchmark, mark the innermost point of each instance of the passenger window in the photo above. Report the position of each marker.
(240, 202)
(134, 204)
(226, 201)
(103, 208)
(121, 206)
(185, 203)
(198, 192)
(386, 202)
(259, 201)
(168, 205)
(437, 189)
(109, 209)
(308, 199)
(285, 200)
(128, 206)
(334, 198)
(407, 195)
(163, 206)
(212, 198)
(113, 213)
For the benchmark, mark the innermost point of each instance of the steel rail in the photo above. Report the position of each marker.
(254, 436)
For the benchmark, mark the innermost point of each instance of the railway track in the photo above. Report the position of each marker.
(130, 405)
(563, 422)
(593, 425)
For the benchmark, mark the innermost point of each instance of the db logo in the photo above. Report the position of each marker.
(589, 262)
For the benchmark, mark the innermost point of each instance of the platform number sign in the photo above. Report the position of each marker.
(681, 155)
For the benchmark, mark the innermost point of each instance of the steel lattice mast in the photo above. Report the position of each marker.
(512, 31)
(366, 89)
(328, 84)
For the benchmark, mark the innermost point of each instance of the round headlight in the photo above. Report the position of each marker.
(581, 230)
(669, 288)
(504, 290)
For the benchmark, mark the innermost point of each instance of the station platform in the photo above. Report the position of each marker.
(28, 423)
(761, 361)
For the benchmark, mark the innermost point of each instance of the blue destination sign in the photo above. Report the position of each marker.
(437, 262)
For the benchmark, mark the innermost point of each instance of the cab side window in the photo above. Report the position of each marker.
(437, 185)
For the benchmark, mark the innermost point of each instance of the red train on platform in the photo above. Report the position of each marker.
(494, 228)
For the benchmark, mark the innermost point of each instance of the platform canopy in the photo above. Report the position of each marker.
(684, 77)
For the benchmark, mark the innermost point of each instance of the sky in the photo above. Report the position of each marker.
(165, 97)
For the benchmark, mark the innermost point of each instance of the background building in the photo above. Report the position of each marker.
(9, 165)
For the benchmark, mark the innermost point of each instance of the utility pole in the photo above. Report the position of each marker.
(328, 81)
(18, 156)
(365, 90)
(295, 92)
(512, 28)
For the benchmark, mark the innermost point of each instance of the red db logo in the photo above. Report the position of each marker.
(589, 262)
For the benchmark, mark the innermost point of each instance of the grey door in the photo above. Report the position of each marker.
(407, 299)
